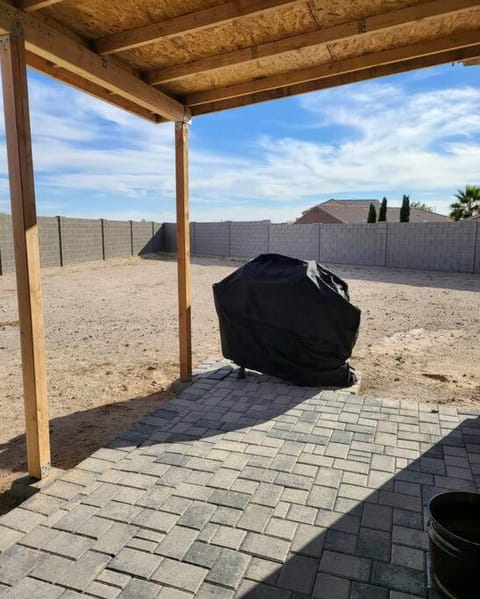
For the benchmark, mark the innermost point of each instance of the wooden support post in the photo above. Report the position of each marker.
(27, 257)
(183, 250)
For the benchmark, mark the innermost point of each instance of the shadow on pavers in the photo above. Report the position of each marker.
(364, 547)
(74, 437)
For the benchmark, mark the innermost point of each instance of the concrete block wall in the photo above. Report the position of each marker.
(476, 266)
(170, 235)
(66, 241)
(7, 258)
(142, 237)
(450, 247)
(117, 238)
(362, 244)
(212, 239)
(432, 246)
(82, 240)
(293, 240)
(50, 251)
(248, 239)
(158, 243)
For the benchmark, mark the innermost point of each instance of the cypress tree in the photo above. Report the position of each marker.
(405, 209)
(372, 214)
(382, 215)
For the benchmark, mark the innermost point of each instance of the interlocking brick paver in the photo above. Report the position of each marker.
(331, 587)
(180, 575)
(247, 488)
(98, 589)
(68, 545)
(16, 562)
(233, 499)
(177, 542)
(197, 515)
(377, 516)
(398, 578)
(212, 591)
(264, 546)
(84, 570)
(225, 515)
(353, 568)
(322, 497)
(255, 518)
(336, 540)
(228, 537)
(408, 557)
(229, 568)
(298, 574)
(375, 544)
(361, 590)
(302, 513)
(75, 519)
(155, 520)
(115, 538)
(141, 589)
(51, 568)
(34, 589)
(283, 529)
(202, 554)
(119, 512)
(22, 520)
(267, 494)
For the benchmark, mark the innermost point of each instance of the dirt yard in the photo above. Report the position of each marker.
(111, 331)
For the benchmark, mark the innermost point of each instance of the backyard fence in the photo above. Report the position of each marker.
(449, 247)
(66, 241)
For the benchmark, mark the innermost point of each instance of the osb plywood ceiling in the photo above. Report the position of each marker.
(210, 55)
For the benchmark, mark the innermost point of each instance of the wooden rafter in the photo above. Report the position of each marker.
(47, 42)
(339, 67)
(385, 70)
(187, 23)
(350, 30)
(31, 5)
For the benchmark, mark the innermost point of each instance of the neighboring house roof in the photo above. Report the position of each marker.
(356, 211)
(476, 216)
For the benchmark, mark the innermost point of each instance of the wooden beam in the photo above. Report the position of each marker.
(47, 42)
(183, 250)
(27, 256)
(31, 5)
(194, 21)
(46, 67)
(339, 80)
(350, 30)
(339, 67)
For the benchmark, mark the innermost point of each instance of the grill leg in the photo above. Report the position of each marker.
(241, 373)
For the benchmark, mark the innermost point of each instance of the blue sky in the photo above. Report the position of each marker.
(417, 133)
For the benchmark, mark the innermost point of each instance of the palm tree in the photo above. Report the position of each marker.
(468, 203)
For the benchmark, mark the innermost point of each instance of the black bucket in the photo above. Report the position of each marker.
(454, 533)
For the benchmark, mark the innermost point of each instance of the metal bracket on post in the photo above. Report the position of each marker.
(187, 119)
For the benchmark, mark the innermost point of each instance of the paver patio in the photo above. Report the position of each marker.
(247, 488)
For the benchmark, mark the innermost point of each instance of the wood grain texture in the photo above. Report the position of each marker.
(27, 255)
(183, 250)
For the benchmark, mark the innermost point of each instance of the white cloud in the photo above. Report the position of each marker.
(392, 141)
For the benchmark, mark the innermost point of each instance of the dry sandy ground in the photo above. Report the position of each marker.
(111, 331)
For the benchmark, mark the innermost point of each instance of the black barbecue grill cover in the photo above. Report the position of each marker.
(288, 318)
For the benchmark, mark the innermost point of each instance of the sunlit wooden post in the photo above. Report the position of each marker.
(183, 250)
(27, 257)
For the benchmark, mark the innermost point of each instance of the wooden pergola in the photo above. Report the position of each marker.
(169, 60)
